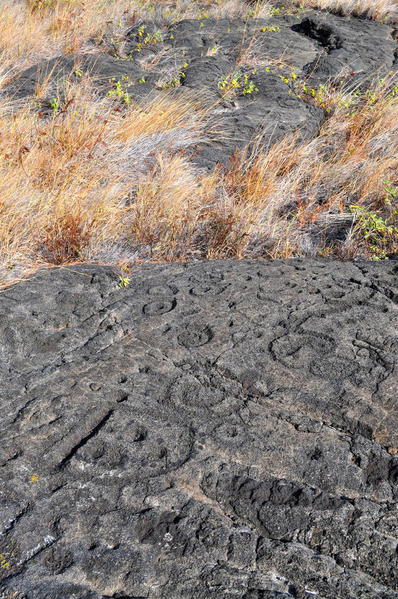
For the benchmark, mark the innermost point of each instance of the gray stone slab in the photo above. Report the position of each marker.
(219, 429)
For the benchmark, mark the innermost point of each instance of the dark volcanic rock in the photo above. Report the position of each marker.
(220, 429)
(199, 53)
(102, 67)
(352, 45)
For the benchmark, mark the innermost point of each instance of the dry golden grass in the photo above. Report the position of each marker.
(267, 203)
(32, 29)
(65, 180)
(385, 11)
(94, 182)
(35, 29)
(97, 180)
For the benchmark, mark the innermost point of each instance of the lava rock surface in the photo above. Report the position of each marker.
(219, 429)
(198, 54)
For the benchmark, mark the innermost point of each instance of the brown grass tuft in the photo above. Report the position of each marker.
(385, 11)
(94, 179)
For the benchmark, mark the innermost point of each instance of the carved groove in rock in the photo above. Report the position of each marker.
(242, 444)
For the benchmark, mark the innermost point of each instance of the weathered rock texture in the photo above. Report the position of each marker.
(316, 46)
(220, 429)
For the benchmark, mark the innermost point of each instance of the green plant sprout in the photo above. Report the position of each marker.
(147, 39)
(317, 93)
(4, 563)
(124, 282)
(276, 11)
(270, 29)
(212, 51)
(55, 104)
(119, 89)
(391, 191)
(288, 11)
(378, 232)
(174, 81)
(238, 81)
(171, 83)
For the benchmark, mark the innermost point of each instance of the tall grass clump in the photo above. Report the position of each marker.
(90, 177)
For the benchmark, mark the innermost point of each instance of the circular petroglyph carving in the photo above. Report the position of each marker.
(162, 290)
(195, 335)
(207, 289)
(292, 350)
(335, 369)
(160, 306)
(206, 277)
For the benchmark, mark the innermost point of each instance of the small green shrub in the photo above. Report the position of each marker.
(270, 29)
(238, 81)
(379, 232)
(174, 81)
(391, 192)
(119, 89)
(145, 40)
(124, 282)
(55, 104)
(288, 11)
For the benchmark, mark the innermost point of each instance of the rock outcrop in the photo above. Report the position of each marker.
(220, 429)
(198, 54)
